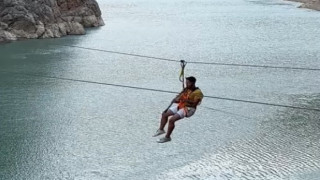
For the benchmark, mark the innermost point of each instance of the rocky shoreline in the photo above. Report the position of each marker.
(27, 19)
(310, 4)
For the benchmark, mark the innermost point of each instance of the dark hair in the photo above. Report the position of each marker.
(191, 79)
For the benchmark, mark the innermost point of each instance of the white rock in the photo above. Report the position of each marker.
(63, 28)
(7, 36)
(76, 28)
(48, 34)
(89, 21)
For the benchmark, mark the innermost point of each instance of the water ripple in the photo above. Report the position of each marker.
(287, 146)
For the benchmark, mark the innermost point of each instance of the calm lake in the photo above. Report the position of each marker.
(69, 113)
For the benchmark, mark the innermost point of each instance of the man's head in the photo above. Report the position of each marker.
(191, 82)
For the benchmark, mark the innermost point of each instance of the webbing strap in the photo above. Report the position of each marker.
(183, 64)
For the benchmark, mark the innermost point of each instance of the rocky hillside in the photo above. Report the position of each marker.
(311, 4)
(21, 19)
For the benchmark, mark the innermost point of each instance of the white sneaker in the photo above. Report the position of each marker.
(163, 140)
(159, 132)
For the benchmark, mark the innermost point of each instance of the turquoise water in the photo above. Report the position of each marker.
(60, 120)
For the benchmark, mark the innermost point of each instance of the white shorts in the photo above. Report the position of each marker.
(183, 112)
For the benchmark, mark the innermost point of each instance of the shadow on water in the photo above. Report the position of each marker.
(287, 146)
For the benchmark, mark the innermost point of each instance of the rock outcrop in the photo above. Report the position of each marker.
(310, 4)
(21, 19)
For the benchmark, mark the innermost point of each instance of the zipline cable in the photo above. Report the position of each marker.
(164, 91)
(203, 63)
(123, 53)
(227, 112)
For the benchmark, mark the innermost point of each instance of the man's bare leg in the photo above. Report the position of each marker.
(171, 125)
(164, 118)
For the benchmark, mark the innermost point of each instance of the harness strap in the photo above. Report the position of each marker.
(185, 96)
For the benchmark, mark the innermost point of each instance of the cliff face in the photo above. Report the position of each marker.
(46, 18)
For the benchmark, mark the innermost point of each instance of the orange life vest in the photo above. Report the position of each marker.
(184, 96)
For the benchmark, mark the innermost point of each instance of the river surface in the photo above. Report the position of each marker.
(63, 115)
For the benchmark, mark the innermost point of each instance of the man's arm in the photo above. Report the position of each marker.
(191, 103)
(177, 98)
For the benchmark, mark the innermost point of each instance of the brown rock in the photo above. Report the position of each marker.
(47, 18)
(310, 4)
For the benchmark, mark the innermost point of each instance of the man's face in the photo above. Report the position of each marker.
(189, 84)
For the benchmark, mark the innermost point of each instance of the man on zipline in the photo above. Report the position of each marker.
(185, 105)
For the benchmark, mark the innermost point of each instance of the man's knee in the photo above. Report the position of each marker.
(174, 118)
(171, 121)
(167, 113)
